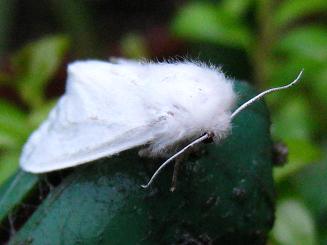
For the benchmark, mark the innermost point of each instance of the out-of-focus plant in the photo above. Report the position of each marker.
(294, 224)
(133, 46)
(278, 39)
(32, 69)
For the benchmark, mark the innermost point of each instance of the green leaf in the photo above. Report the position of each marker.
(134, 46)
(13, 192)
(292, 124)
(5, 78)
(208, 23)
(77, 20)
(8, 164)
(294, 224)
(236, 7)
(319, 85)
(285, 70)
(13, 127)
(7, 140)
(36, 64)
(292, 10)
(302, 152)
(307, 41)
(311, 185)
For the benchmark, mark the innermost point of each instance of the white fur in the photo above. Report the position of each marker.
(109, 108)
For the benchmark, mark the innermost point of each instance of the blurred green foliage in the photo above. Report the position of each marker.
(266, 42)
(294, 224)
(33, 67)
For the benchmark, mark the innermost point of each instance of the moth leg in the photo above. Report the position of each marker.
(179, 153)
(177, 165)
(178, 162)
(195, 150)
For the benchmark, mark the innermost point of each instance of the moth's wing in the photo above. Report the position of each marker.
(101, 113)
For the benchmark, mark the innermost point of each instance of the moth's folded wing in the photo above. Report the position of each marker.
(102, 113)
(49, 150)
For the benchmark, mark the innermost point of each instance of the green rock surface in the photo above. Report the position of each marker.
(224, 195)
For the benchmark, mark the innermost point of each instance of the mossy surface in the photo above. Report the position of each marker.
(224, 195)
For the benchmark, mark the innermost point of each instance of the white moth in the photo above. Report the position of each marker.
(111, 107)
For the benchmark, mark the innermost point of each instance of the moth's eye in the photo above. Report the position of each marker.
(211, 135)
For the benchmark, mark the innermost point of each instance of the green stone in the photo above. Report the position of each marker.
(225, 194)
